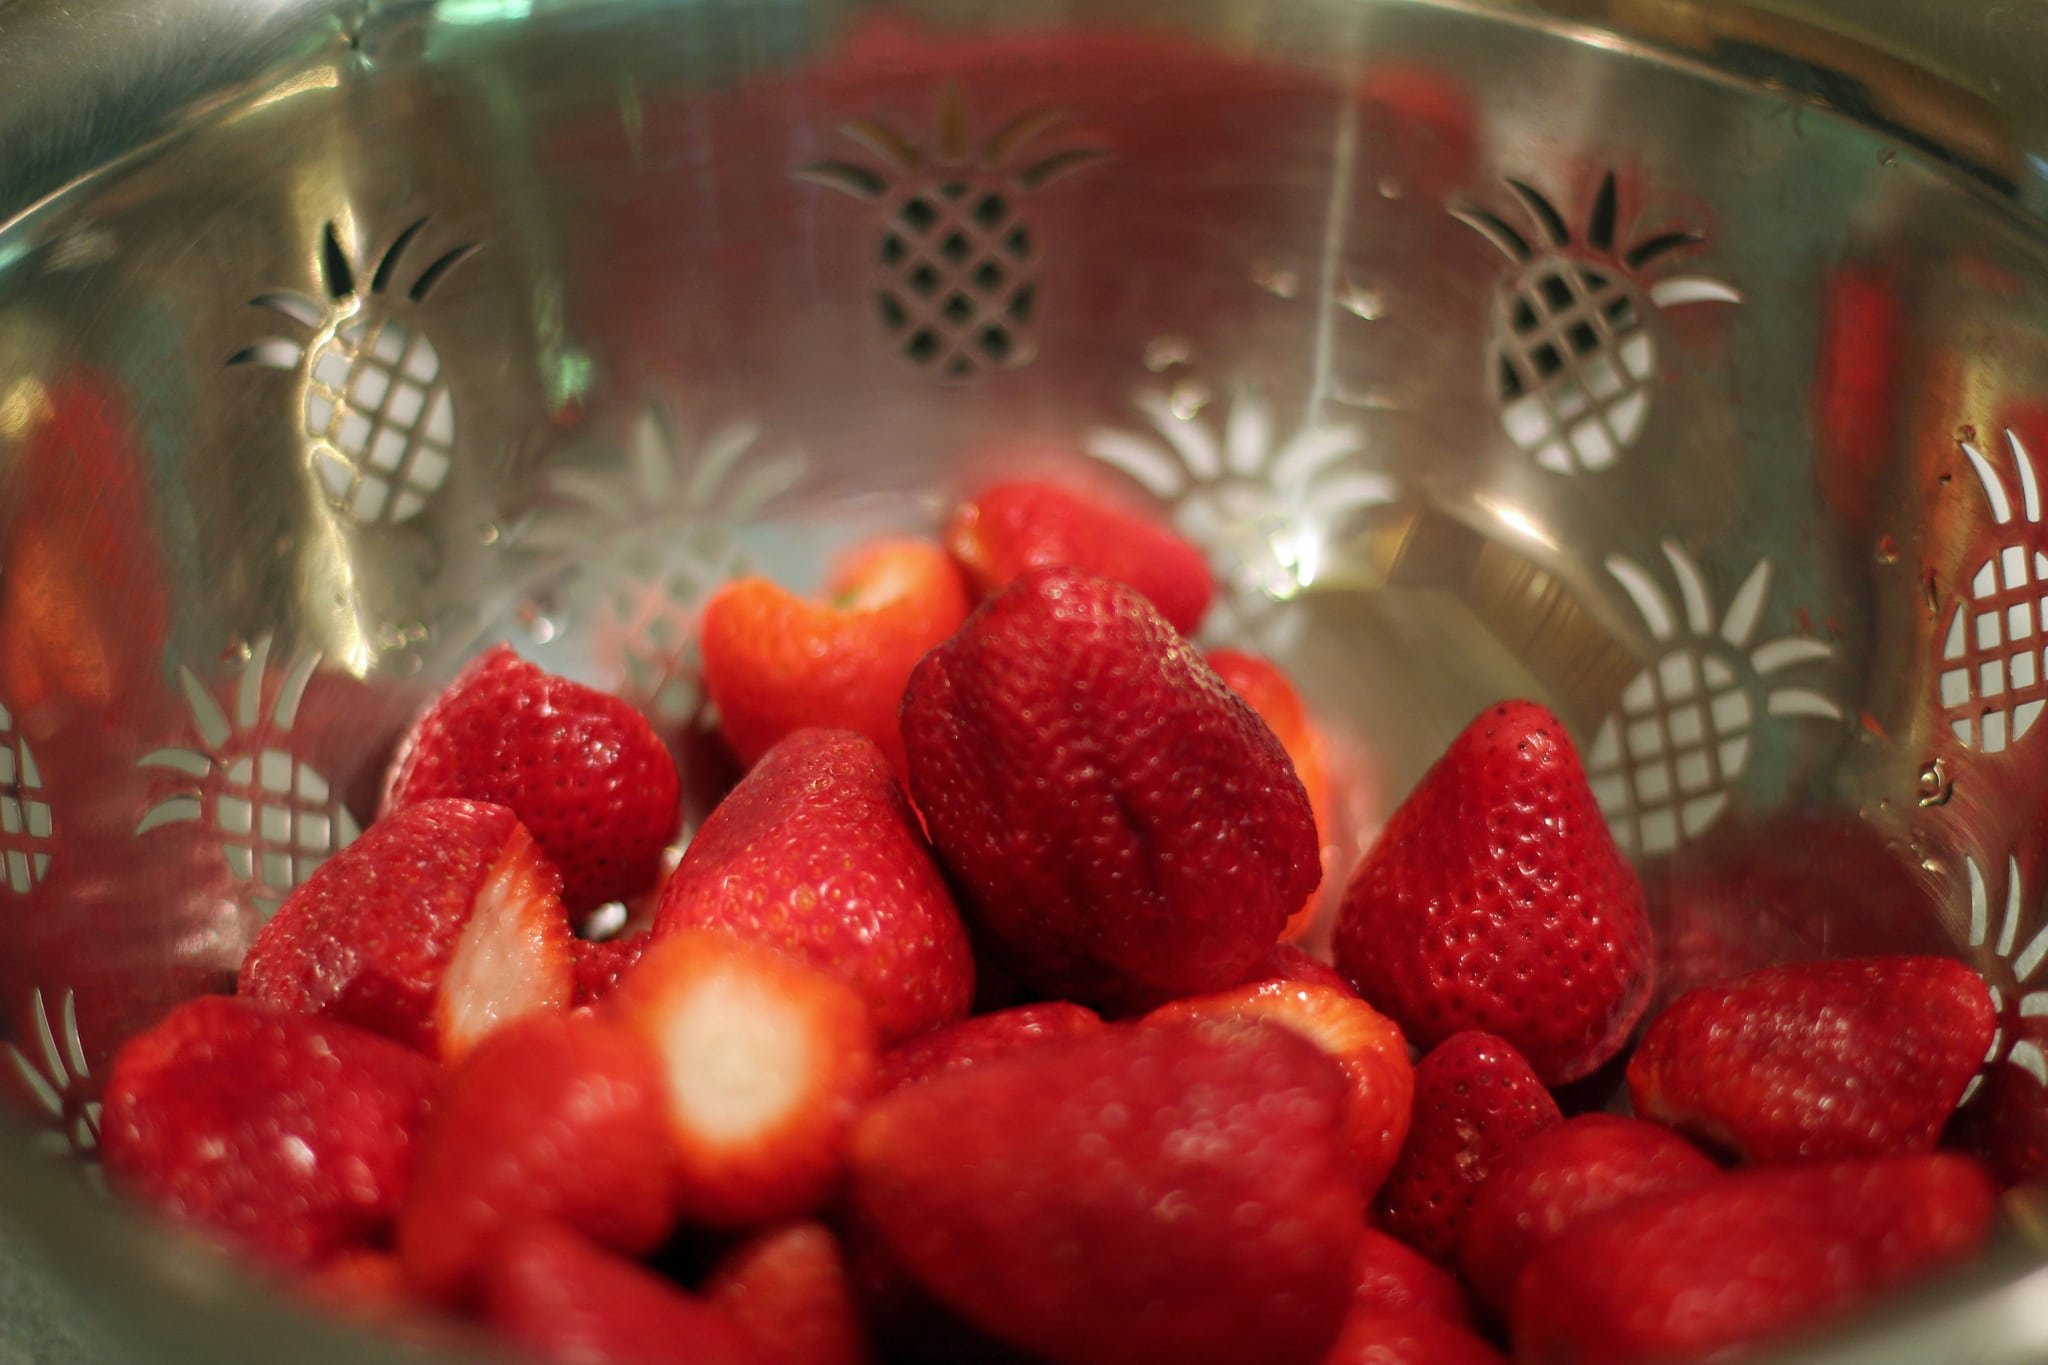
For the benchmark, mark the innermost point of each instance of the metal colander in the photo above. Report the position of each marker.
(1678, 364)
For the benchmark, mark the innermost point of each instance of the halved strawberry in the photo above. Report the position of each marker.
(436, 926)
(787, 1288)
(985, 1037)
(776, 663)
(582, 770)
(1013, 527)
(1361, 1040)
(1271, 693)
(766, 1062)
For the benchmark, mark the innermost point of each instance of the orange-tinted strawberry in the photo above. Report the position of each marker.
(1011, 528)
(582, 770)
(1859, 1057)
(816, 853)
(765, 1062)
(369, 1286)
(1496, 900)
(787, 1289)
(285, 1135)
(1361, 1040)
(1272, 695)
(983, 1038)
(776, 663)
(438, 925)
(1389, 1276)
(1125, 825)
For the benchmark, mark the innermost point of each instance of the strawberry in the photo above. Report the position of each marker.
(1011, 528)
(776, 663)
(1124, 823)
(439, 924)
(600, 966)
(1289, 962)
(1561, 1176)
(561, 1298)
(1272, 695)
(1356, 1036)
(787, 1289)
(286, 1135)
(1746, 1257)
(765, 1060)
(1496, 900)
(2006, 1125)
(1175, 1192)
(906, 1324)
(1409, 1339)
(816, 853)
(1475, 1101)
(1851, 1058)
(1390, 1277)
(555, 1117)
(582, 770)
(971, 1042)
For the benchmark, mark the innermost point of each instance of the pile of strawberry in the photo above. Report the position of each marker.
(766, 1123)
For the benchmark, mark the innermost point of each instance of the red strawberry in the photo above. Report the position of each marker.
(561, 1298)
(2006, 1125)
(287, 1135)
(1409, 1339)
(366, 1285)
(816, 853)
(1561, 1176)
(1126, 825)
(1356, 1036)
(1390, 1277)
(1496, 900)
(1852, 1058)
(971, 1042)
(1272, 695)
(1287, 962)
(1744, 1258)
(766, 1061)
(787, 1288)
(582, 770)
(906, 1324)
(556, 1118)
(776, 663)
(601, 966)
(1012, 528)
(439, 924)
(1166, 1193)
(1475, 1101)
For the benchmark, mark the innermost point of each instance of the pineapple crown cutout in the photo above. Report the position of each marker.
(26, 834)
(1571, 350)
(1994, 673)
(58, 1080)
(378, 419)
(2012, 971)
(668, 535)
(275, 817)
(957, 264)
(1665, 763)
(1265, 507)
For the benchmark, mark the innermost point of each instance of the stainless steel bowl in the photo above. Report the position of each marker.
(1680, 364)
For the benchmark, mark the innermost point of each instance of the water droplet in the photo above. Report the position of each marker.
(1933, 866)
(537, 622)
(1188, 399)
(1887, 549)
(490, 533)
(1888, 157)
(1361, 301)
(1390, 188)
(237, 652)
(1931, 590)
(1278, 281)
(1164, 352)
(1934, 787)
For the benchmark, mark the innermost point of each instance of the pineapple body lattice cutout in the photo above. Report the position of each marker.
(1665, 765)
(1994, 671)
(26, 830)
(957, 263)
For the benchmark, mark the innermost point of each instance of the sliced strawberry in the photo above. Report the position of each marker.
(564, 1299)
(1162, 1193)
(787, 1288)
(1361, 1040)
(1290, 962)
(582, 770)
(1853, 1058)
(1390, 1277)
(816, 853)
(285, 1135)
(766, 1061)
(776, 663)
(1370, 1338)
(1559, 1177)
(1271, 693)
(1496, 900)
(601, 966)
(1014, 527)
(983, 1038)
(1475, 1101)
(555, 1117)
(1745, 1258)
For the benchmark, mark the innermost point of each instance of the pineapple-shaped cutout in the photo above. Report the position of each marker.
(655, 542)
(1664, 765)
(1264, 506)
(51, 1065)
(2012, 970)
(957, 287)
(1994, 674)
(377, 417)
(25, 827)
(1572, 354)
(276, 817)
